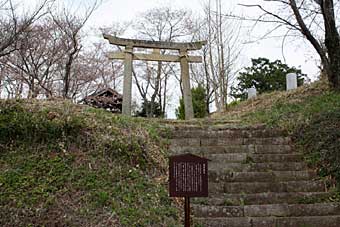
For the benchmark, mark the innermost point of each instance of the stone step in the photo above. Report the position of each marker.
(304, 221)
(251, 158)
(226, 133)
(264, 198)
(250, 149)
(271, 176)
(212, 124)
(196, 141)
(259, 187)
(257, 167)
(267, 210)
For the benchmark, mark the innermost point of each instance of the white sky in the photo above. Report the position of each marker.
(297, 53)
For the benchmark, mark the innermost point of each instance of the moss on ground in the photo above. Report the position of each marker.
(69, 165)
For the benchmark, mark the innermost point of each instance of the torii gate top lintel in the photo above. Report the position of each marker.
(154, 44)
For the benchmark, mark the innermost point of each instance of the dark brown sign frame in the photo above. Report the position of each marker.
(188, 177)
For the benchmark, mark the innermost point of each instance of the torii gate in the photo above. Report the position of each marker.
(128, 56)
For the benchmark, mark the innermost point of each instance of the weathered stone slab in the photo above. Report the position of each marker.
(218, 211)
(258, 187)
(272, 176)
(262, 198)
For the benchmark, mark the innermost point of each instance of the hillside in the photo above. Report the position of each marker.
(310, 114)
(63, 164)
(68, 165)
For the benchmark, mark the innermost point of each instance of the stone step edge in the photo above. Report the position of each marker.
(312, 221)
(233, 149)
(225, 197)
(217, 176)
(220, 141)
(231, 134)
(264, 198)
(249, 157)
(221, 170)
(260, 187)
(268, 210)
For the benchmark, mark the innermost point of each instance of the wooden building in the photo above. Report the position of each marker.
(108, 99)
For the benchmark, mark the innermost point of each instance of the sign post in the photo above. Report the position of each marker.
(188, 177)
(187, 212)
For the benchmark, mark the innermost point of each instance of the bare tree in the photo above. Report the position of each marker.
(220, 55)
(94, 71)
(35, 62)
(49, 60)
(159, 24)
(70, 27)
(316, 20)
(13, 24)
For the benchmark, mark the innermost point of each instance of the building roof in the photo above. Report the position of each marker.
(106, 90)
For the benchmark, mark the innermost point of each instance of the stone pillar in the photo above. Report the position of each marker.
(189, 111)
(291, 79)
(252, 93)
(127, 87)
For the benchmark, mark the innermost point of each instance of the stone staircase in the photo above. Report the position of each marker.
(256, 179)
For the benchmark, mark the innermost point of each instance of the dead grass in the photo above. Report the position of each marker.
(266, 101)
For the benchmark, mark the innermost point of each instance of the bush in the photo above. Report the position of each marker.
(20, 125)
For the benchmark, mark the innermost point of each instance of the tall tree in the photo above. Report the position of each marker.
(316, 21)
(13, 24)
(220, 55)
(265, 76)
(35, 62)
(159, 24)
(198, 101)
(70, 27)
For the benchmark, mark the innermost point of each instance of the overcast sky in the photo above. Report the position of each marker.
(296, 53)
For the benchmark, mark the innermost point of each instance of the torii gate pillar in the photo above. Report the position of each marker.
(127, 86)
(187, 96)
(128, 56)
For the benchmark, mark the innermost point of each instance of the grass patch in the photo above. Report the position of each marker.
(311, 114)
(69, 165)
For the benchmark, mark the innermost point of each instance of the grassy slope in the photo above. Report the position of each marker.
(311, 114)
(76, 166)
(67, 165)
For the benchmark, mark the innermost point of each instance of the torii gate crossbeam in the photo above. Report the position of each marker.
(128, 56)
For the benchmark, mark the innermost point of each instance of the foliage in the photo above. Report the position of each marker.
(233, 103)
(146, 111)
(20, 125)
(265, 76)
(63, 164)
(198, 102)
(320, 139)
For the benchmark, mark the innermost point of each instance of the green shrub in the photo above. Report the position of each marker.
(18, 125)
(198, 102)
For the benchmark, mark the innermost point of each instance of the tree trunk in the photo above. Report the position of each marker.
(331, 58)
(67, 75)
(332, 42)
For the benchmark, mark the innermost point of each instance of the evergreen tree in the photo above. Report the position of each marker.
(198, 102)
(265, 76)
(145, 110)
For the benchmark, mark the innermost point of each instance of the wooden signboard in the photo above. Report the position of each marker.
(188, 177)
